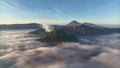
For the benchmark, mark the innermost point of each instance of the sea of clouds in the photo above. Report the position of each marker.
(17, 50)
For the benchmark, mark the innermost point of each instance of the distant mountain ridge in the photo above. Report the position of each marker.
(92, 25)
(21, 26)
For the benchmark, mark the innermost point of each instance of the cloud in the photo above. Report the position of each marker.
(65, 55)
(34, 54)
(109, 59)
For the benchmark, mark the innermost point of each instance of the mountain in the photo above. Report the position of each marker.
(58, 36)
(93, 25)
(74, 23)
(73, 29)
(39, 32)
(20, 26)
(85, 30)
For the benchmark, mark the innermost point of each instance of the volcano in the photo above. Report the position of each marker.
(58, 36)
(74, 23)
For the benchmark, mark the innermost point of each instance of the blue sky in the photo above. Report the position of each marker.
(59, 11)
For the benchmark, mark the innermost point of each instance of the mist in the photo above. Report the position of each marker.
(25, 52)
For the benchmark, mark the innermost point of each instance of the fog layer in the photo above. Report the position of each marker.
(18, 50)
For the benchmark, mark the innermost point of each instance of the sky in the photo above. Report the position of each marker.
(59, 11)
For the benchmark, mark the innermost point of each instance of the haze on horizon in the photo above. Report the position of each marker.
(59, 11)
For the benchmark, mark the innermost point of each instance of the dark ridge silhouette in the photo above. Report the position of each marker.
(58, 36)
(21, 26)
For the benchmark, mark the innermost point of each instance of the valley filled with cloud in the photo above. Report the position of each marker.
(22, 51)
